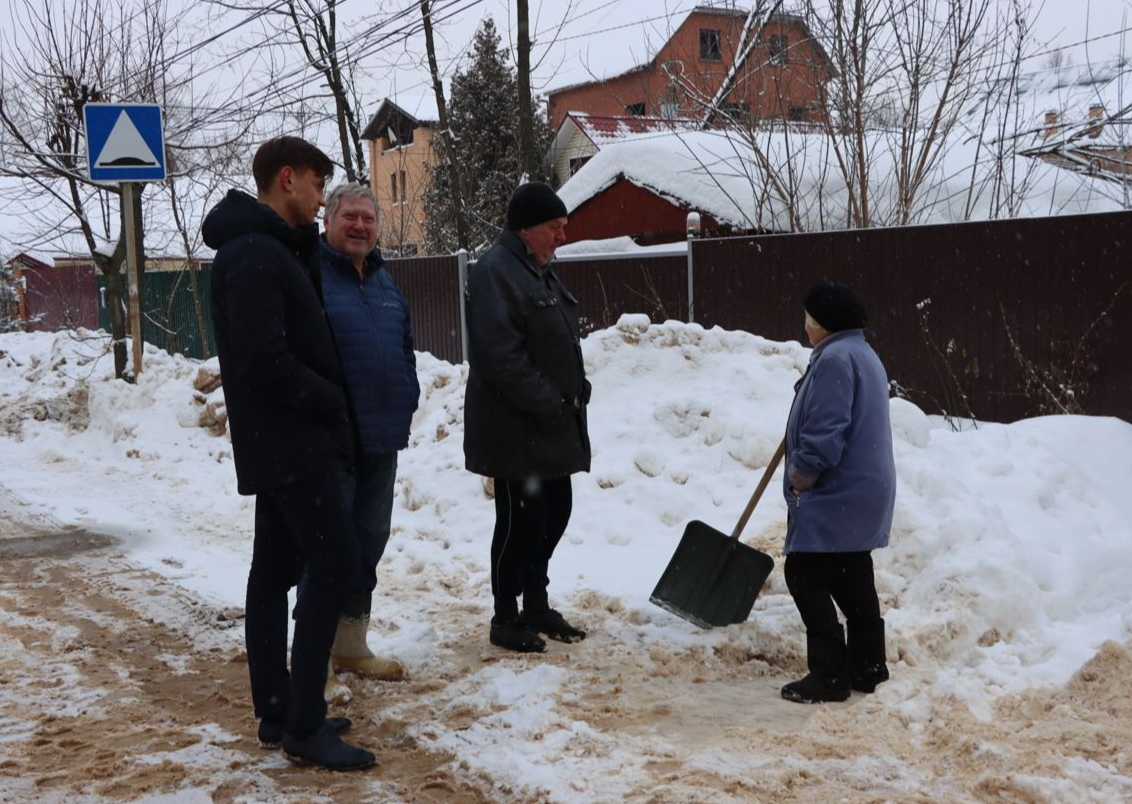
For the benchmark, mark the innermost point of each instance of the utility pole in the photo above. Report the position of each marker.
(530, 159)
(452, 168)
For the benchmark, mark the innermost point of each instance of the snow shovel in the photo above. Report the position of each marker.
(713, 579)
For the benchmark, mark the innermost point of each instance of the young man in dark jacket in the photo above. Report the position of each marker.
(525, 411)
(370, 320)
(291, 441)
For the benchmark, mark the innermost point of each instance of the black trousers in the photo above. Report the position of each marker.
(305, 526)
(530, 518)
(817, 581)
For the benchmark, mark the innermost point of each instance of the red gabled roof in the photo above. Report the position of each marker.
(606, 128)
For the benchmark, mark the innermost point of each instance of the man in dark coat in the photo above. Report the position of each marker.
(292, 443)
(370, 320)
(525, 411)
(840, 490)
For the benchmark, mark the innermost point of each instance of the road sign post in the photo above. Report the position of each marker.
(126, 145)
(129, 189)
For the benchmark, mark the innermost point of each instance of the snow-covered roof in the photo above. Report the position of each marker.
(747, 184)
(1063, 104)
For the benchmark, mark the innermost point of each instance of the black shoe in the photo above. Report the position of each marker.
(553, 624)
(513, 635)
(325, 749)
(815, 689)
(271, 734)
(866, 680)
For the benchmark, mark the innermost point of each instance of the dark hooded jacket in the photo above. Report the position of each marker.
(525, 403)
(283, 383)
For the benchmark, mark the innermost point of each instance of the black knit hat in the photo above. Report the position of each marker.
(836, 307)
(531, 204)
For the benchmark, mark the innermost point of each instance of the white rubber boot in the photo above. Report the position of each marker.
(351, 653)
(336, 692)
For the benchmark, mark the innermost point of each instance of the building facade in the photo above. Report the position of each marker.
(783, 77)
(400, 159)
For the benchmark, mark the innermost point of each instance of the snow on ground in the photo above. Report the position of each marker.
(1006, 574)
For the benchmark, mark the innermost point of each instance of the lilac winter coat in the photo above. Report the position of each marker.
(839, 451)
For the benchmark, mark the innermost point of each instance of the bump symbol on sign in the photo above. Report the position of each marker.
(125, 147)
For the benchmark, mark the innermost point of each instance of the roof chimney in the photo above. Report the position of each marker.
(1096, 115)
(1051, 126)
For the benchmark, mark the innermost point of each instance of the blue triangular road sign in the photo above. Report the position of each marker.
(125, 142)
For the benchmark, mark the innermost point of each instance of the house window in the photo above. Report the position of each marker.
(398, 193)
(737, 111)
(711, 45)
(777, 46)
(797, 114)
(635, 109)
(577, 162)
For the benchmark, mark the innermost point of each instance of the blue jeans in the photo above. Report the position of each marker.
(371, 492)
(302, 530)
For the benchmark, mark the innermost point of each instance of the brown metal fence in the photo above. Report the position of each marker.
(432, 287)
(998, 320)
(607, 287)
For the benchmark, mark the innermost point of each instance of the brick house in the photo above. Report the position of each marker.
(783, 77)
(582, 135)
(400, 160)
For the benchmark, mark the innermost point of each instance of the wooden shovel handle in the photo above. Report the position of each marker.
(750, 509)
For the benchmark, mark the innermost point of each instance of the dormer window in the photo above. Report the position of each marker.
(711, 44)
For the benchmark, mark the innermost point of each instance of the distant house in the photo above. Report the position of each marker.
(54, 297)
(400, 159)
(783, 77)
(582, 135)
(1079, 117)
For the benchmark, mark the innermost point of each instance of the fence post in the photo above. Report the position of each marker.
(462, 278)
(693, 228)
(691, 284)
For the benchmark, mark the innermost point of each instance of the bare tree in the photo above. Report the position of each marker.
(455, 180)
(529, 158)
(905, 82)
(63, 56)
(316, 29)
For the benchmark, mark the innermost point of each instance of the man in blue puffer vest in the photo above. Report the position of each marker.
(370, 321)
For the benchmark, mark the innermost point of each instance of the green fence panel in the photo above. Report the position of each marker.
(169, 314)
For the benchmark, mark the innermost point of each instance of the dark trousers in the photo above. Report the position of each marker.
(301, 526)
(819, 580)
(530, 518)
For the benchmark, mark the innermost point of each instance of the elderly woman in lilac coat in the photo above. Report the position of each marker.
(840, 488)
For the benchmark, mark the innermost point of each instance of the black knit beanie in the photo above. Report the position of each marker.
(531, 204)
(836, 307)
